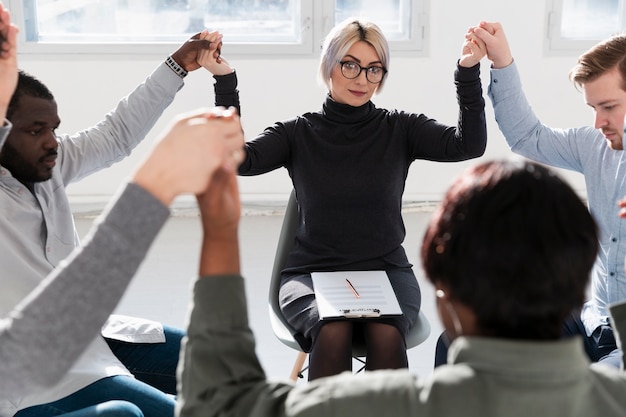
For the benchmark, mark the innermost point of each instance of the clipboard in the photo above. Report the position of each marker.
(354, 294)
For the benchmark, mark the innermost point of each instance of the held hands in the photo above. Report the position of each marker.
(498, 50)
(188, 54)
(190, 152)
(216, 65)
(473, 50)
(8, 60)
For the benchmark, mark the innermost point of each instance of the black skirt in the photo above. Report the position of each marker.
(297, 302)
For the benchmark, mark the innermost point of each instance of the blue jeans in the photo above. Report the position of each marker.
(601, 346)
(153, 363)
(149, 394)
(116, 396)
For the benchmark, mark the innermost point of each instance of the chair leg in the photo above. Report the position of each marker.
(362, 363)
(296, 371)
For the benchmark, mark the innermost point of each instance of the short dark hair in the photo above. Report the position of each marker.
(514, 243)
(27, 85)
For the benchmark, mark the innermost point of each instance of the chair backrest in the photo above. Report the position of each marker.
(283, 331)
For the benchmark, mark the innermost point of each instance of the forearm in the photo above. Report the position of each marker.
(471, 129)
(122, 129)
(220, 256)
(226, 93)
(63, 315)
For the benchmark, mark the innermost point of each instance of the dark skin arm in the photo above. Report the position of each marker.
(220, 211)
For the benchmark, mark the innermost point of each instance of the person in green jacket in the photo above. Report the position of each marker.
(509, 253)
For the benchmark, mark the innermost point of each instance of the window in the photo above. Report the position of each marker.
(576, 25)
(249, 26)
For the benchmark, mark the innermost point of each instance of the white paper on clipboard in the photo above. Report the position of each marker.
(354, 294)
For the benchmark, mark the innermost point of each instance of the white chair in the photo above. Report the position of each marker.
(283, 331)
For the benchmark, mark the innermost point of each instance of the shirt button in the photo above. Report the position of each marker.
(612, 274)
(495, 81)
(614, 239)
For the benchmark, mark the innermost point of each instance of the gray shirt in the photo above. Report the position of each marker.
(37, 229)
(583, 150)
(221, 375)
(79, 294)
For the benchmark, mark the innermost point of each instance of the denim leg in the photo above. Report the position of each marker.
(574, 326)
(441, 349)
(153, 363)
(600, 347)
(113, 408)
(120, 396)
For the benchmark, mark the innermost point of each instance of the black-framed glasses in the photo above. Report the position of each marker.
(351, 70)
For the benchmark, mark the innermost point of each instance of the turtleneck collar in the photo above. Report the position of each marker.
(345, 113)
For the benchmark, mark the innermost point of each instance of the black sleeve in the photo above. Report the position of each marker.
(226, 93)
(472, 126)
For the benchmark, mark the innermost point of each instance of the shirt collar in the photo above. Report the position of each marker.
(521, 357)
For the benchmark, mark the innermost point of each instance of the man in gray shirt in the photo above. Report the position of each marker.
(37, 230)
(80, 294)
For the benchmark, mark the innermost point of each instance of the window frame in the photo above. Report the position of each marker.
(555, 44)
(316, 18)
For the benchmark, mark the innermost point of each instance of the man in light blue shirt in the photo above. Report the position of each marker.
(594, 151)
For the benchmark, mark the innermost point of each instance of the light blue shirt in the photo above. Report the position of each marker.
(583, 150)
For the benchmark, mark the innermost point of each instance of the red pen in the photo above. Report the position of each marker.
(354, 291)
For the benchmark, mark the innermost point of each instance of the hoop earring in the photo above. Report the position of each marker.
(440, 294)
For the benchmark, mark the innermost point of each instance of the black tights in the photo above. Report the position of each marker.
(332, 348)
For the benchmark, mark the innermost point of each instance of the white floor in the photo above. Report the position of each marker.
(161, 289)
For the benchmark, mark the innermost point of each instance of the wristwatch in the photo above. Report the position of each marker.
(178, 70)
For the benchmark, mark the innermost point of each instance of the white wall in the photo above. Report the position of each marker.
(272, 89)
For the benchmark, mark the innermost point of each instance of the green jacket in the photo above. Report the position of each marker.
(221, 375)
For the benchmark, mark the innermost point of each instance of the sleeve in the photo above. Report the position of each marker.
(270, 150)
(121, 130)
(526, 135)
(221, 374)
(226, 93)
(79, 295)
(438, 142)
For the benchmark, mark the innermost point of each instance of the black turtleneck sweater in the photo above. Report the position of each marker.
(349, 166)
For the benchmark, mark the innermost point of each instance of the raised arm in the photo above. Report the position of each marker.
(83, 291)
(226, 93)
(493, 36)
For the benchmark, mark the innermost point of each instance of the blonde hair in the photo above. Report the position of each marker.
(340, 40)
